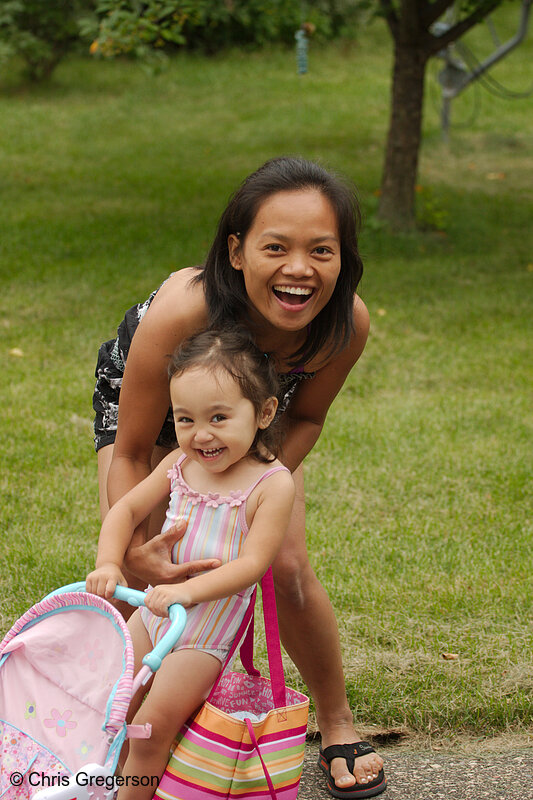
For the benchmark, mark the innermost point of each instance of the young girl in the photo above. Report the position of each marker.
(236, 498)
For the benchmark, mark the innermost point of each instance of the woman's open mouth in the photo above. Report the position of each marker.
(293, 295)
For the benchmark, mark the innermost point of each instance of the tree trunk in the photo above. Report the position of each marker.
(397, 201)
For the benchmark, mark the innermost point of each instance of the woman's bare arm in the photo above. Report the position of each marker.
(176, 312)
(308, 410)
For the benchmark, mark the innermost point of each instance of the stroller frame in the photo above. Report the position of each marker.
(42, 654)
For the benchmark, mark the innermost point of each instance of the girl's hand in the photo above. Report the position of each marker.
(160, 598)
(103, 580)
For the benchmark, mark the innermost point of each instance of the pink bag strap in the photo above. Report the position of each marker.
(275, 664)
(247, 650)
(246, 629)
(265, 770)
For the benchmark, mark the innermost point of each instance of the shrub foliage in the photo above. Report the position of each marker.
(126, 26)
(40, 32)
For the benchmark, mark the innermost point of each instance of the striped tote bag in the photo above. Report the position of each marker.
(247, 741)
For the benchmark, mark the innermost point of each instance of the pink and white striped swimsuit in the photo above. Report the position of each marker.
(216, 528)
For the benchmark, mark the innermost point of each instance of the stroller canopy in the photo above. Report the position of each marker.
(66, 670)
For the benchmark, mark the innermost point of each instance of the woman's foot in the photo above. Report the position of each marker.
(366, 769)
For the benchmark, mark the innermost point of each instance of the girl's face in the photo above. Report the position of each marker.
(215, 424)
(290, 258)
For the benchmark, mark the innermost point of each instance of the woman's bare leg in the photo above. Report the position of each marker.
(310, 635)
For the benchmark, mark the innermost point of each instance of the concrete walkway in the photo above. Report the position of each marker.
(429, 775)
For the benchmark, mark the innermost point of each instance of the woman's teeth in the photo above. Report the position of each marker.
(293, 289)
(293, 295)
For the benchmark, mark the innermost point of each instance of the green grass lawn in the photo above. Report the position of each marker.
(419, 491)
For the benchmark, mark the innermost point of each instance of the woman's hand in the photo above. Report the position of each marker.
(103, 580)
(152, 561)
(160, 598)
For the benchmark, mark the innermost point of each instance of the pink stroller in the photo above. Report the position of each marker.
(66, 681)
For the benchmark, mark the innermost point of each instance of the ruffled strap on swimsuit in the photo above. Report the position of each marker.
(214, 499)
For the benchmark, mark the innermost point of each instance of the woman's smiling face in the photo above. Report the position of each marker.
(290, 258)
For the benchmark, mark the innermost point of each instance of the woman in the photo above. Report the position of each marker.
(284, 263)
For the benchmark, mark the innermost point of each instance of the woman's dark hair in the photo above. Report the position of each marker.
(224, 287)
(235, 352)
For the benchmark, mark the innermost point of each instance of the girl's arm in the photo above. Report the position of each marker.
(266, 532)
(120, 523)
(308, 410)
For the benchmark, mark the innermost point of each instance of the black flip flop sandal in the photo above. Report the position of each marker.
(350, 752)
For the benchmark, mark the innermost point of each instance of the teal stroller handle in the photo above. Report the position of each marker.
(176, 613)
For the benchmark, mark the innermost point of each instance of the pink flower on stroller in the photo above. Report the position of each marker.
(66, 681)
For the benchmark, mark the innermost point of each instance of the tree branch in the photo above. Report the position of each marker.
(437, 43)
(435, 10)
